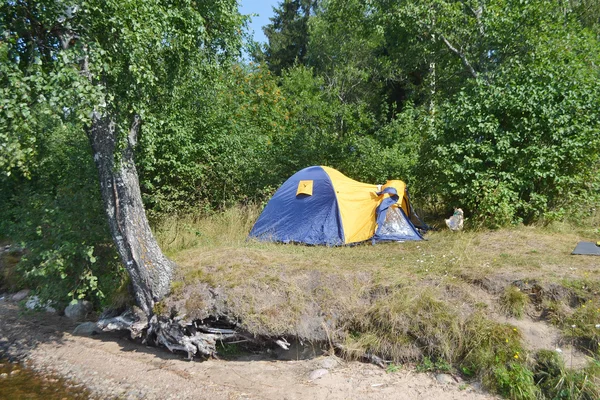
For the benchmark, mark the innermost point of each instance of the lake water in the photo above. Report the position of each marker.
(18, 382)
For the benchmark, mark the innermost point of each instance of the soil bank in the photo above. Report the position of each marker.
(111, 366)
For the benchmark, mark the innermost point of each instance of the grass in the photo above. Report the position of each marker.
(442, 300)
(513, 301)
(556, 381)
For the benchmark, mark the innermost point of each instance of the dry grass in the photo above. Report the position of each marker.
(403, 301)
(215, 250)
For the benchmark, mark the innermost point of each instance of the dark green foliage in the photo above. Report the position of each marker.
(522, 144)
(518, 150)
(210, 148)
(57, 215)
(288, 34)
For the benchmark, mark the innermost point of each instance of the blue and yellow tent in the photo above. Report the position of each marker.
(319, 205)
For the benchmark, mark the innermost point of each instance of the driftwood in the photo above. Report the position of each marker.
(173, 333)
(188, 337)
(133, 320)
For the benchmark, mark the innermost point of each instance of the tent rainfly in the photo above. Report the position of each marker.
(321, 206)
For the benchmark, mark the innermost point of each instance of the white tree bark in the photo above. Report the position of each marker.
(149, 269)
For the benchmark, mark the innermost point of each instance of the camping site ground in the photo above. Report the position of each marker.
(511, 308)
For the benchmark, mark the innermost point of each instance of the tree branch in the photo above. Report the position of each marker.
(462, 57)
(477, 13)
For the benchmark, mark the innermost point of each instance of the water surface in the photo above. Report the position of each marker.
(19, 382)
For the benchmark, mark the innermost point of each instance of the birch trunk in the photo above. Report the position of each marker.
(149, 269)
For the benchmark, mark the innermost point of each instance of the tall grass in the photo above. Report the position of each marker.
(224, 229)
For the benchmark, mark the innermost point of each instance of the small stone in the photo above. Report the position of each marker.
(20, 295)
(86, 329)
(317, 373)
(329, 363)
(444, 379)
(3, 375)
(34, 303)
(15, 372)
(79, 310)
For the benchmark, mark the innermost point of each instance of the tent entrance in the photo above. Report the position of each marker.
(396, 227)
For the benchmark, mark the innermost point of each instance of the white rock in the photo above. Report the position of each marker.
(444, 379)
(34, 303)
(20, 295)
(86, 329)
(329, 363)
(317, 373)
(79, 310)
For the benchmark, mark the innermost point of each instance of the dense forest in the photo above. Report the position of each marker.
(492, 105)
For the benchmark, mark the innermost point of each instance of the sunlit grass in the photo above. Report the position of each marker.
(220, 241)
(433, 299)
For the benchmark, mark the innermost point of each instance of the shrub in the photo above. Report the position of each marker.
(523, 145)
(57, 216)
(557, 382)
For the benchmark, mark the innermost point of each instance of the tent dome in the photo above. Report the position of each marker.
(321, 206)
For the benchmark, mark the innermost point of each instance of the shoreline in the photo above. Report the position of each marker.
(112, 366)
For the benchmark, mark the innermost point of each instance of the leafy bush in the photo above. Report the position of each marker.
(57, 216)
(515, 381)
(208, 149)
(523, 143)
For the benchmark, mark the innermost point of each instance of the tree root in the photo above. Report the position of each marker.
(173, 333)
(190, 338)
(368, 357)
(198, 337)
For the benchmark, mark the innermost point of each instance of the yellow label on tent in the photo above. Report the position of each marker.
(305, 187)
